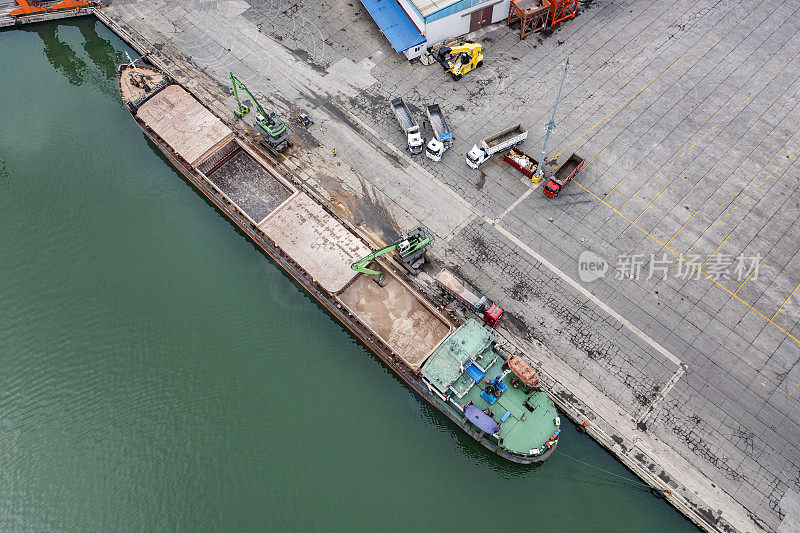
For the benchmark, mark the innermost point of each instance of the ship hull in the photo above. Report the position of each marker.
(331, 304)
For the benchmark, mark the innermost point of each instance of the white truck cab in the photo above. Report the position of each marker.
(476, 156)
(495, 143)
(434, 150)
(442, 136)
(415, 142)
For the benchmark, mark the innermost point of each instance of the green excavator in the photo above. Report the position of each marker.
(275, 132)
(411, 248)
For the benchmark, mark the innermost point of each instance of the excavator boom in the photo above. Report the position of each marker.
(361, 264)
(274, 130)
(411, 246)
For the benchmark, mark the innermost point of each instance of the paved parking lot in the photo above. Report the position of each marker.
(687, 115)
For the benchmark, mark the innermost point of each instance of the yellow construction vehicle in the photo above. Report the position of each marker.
(458, 60)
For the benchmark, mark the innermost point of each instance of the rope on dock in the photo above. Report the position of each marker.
(656, 490)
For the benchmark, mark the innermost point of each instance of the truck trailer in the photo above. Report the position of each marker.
(443, 137)
(409, 126)
(496, 143)
(490, 312)
(521, 161)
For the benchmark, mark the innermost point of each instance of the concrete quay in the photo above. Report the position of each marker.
(687, 115)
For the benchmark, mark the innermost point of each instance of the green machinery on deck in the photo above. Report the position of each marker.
(276, 133)
(411, 248)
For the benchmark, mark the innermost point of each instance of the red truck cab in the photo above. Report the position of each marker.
(493, 315)
(551, 189)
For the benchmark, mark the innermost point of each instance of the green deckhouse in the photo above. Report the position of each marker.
(497, 395)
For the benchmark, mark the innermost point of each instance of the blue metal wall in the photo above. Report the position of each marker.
(454, 8)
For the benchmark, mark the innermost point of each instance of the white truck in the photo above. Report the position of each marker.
(495, 143)
(443, 137)
(409, 125)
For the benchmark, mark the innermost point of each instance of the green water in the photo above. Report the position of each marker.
(158, 373)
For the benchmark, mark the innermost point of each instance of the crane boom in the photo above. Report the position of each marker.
(236, 82)
(361, 264)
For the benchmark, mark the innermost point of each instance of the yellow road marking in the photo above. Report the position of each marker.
(754, 190)
(637, 93)
(717, 248)
(784, 302)
(634, 196)
(618, 183)
(651, 203)
(680, 256)
(592, 161)
(684, 225)
(703, 137)
(677, 254)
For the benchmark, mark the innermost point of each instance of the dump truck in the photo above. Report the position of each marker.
(409, 126)
(563, 174)
(521, 161)
(496, 143)
(490, 312)
(443, 137)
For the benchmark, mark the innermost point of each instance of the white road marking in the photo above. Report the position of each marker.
(518, 201)
(661, 395)
(580, 288)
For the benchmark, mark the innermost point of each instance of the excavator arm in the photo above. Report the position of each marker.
(361, 264)
(411, 245)
(243, 109)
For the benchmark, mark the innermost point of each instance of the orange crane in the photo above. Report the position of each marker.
(26, 8)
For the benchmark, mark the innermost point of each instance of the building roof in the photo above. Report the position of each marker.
(394, 23)
(428, 7)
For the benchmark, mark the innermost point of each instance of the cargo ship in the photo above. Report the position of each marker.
(460, 369)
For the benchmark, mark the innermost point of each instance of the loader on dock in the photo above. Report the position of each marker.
(460, 59)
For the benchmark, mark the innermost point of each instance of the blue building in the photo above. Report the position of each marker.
(414, 26)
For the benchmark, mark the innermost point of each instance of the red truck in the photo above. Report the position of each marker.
(562, 176)
(492, 313)
(521, 161)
